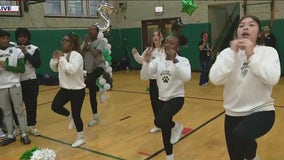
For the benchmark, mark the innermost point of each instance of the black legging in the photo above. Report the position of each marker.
(154, 96)
(164, 120)
(76, 97)
(93, 88)
(242, 132)
(30, 92)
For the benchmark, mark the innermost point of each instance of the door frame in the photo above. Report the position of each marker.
(161, 25)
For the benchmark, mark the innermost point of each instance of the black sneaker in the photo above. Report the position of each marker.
(7, 141)
(25, 140)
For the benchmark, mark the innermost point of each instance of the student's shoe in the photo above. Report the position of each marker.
(16, 131)
(93, 122)
(155, 129)
(176, 132)
(25, 140)
(7, 141)
(34, 131)
(79, 142)
(2, 134)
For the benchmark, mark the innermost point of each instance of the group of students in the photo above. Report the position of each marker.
(247, 69)
(19, 82)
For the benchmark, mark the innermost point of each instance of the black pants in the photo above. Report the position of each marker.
(76, 97)
(242, 132)
(93, 88)
(30, 91)
(1, 119)
(164, 120)
(154, 96)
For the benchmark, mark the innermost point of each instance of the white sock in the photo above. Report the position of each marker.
(80, 135)
(96, 116)
(170, 157)
(10, 136)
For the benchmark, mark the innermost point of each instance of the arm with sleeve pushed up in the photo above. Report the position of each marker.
(73, 65)
(34, 59)
(222, 67)
(20, 68)
(183, 69)
(266, 68)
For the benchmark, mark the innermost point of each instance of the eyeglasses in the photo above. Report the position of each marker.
(65, 40)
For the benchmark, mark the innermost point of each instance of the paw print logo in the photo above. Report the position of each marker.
(165, 79)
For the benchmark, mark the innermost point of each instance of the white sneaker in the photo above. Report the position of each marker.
(79, 142)
(2, 134)
(71, 124)
(155, 129)
(34, 131)
(176, 132)
(93, 122)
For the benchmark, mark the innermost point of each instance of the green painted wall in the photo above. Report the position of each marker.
(122, 41)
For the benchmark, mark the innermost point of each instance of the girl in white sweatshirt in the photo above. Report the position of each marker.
(248, 72)
(156, 50)
(69, 64)
(171, 70)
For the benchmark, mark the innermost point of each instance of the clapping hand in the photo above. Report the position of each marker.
(57, 54)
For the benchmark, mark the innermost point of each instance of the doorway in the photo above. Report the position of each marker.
(148, 26)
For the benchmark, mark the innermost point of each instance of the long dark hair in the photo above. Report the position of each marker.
(75, 41)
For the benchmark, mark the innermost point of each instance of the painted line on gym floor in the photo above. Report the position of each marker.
(82, 148)
(194, 130)
(125, 118)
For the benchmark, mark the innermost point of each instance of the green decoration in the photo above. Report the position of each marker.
(188, 6)
(28, 154)
(147, 89)
(105, 53)
(101, 87)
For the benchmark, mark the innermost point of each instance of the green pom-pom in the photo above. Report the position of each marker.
(28, 154)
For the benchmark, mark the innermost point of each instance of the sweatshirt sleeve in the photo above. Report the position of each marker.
(73, 65)
(54, 64)
(34, 59)
(183, 69)
(20, 68)
(266, 66)
(223, 66)
(148, 69)
(139, 59)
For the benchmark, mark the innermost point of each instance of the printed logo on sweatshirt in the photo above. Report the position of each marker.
(244, 69)
(166, 76)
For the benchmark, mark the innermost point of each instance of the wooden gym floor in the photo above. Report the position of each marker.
(126, 118)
